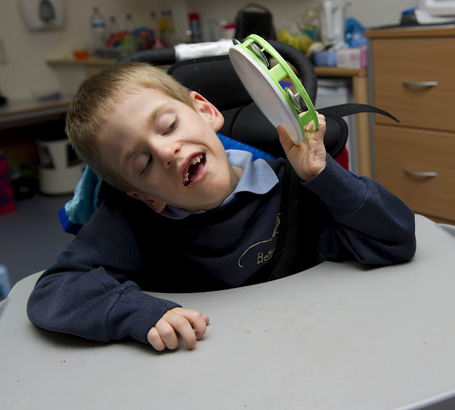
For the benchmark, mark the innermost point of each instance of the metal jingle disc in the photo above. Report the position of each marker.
(295, 98)
(260, 54)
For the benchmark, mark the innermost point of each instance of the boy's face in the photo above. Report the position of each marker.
(168, 151)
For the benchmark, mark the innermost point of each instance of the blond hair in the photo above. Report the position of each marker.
(95, 100)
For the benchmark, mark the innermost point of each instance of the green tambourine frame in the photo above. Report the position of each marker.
(255, 46)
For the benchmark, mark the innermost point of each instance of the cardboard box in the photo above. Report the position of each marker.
(352, 57)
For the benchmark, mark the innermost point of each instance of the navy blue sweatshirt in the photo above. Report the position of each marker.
(95, 289)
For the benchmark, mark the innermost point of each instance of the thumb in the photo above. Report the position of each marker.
(285, 140)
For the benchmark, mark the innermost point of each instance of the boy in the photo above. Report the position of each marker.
(185, 215)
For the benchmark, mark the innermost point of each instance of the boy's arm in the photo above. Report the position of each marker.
(369, 222)
(88, 293)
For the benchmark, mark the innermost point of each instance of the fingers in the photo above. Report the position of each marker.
(155, 340)
(189, 324)
(321, 124)
(198, 322)
(309, 127)
(167, 334)
(285, 140)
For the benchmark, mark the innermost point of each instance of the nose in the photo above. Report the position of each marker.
(166, 150)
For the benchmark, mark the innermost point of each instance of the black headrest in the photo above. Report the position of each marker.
(214, 78)
(159, 56)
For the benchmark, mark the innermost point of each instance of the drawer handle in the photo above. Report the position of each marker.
(420, 83)
(420, 174)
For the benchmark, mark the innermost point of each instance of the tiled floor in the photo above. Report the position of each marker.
(31, 236)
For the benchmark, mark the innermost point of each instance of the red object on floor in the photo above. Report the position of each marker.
(7, 203)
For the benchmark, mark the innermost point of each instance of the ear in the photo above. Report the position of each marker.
(207, 110)
(156, 205)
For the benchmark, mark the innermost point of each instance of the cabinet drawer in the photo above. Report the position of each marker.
(397, 61)
(402, 152)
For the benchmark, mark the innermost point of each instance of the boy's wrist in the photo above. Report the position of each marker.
(313, 172)
(338, 188)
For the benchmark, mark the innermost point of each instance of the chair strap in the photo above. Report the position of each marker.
(343, 110)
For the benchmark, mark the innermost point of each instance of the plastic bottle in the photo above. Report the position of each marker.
(158, 41)
(309, 23)
(129, 23)
(130, 43)
(113, 27)
(164, 27)
(194, 32)
(154, 24)
(171, 27)
(97, 29)
(228, 31)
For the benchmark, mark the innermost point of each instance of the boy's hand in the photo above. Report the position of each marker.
(309, 157)
(187, 323)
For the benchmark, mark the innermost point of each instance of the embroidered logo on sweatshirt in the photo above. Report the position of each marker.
(261, 251)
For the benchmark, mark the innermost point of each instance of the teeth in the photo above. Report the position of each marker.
(196, 160)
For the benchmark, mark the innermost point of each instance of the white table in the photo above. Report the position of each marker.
(337, 336)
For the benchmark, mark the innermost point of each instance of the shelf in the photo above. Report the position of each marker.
(20, 112)
(320, 71)
(340, 72)
(90, 65)
(89, 62)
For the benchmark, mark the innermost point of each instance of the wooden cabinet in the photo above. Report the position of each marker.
(413, 78)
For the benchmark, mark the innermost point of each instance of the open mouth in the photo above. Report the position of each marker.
(194, 169)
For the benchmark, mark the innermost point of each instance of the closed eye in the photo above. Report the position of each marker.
(171, 127)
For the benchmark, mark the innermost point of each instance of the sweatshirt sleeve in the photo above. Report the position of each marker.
(369, 222)
(88, 293)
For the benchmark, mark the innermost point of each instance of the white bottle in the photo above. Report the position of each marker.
(154, 24)
(332, 15)
(98, 29)
(113, 27)
(171, 28)
(130, 42)
(129, 23)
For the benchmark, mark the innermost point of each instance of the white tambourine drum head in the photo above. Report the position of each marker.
(265, 93)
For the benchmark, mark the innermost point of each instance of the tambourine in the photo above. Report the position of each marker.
(273, 86)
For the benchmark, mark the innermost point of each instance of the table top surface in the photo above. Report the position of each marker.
(337, 336)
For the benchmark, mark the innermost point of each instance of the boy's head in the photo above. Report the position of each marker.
(149, 136)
